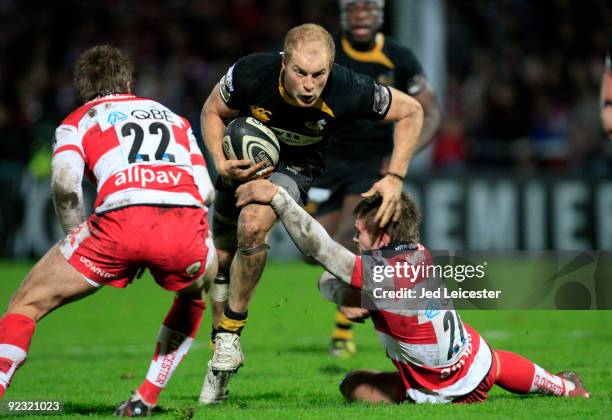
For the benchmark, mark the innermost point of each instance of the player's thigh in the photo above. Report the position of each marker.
(224, 224)
(372, 386)
(51, 283)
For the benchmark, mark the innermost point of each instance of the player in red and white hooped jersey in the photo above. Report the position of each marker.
(439, 358)
(153, 193)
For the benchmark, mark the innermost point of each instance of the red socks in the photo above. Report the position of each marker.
(521, 376)
(173, 341)
(16, 333)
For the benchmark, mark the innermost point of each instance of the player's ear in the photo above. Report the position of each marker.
(382, 240)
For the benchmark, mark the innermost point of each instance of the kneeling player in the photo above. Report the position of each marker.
(150, 212)
(416, 343)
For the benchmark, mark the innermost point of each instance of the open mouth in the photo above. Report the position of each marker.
(307, 99)
(361, 31)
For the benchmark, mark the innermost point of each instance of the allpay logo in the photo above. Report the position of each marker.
(142, 176)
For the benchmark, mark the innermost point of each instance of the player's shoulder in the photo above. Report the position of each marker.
(401, 55)
(73, 119)
(119, 107)
(258, 62)
(393, 44)
(342, 76)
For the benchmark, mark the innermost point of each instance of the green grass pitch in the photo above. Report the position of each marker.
(92, 353)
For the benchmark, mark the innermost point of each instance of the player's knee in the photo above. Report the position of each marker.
(252, 229)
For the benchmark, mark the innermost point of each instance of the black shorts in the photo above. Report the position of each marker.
(344, 177)
(295, 180)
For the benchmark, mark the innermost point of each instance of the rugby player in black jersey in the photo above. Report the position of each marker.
(359, 152)
(302, 96)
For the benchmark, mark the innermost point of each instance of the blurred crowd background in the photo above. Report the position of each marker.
(520, 161)
(521, 88)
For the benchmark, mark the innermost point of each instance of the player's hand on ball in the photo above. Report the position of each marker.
(243, 170)
(260, 191)
(390, 188)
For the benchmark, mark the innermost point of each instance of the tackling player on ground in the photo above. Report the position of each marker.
(151, 183)
(302, 96)
(434, 365)
(359, 152)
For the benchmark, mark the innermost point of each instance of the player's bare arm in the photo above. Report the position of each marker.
(66, 189)
(407, 113)
(214, 112)
(432, 115)
(309, 236)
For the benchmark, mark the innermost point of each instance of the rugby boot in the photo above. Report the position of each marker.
(214, 388)
(228, 356)
(134, 407)
(342, 349)
(579, 391)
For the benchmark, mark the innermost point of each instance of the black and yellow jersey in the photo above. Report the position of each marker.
(253, 85)
(390, 63)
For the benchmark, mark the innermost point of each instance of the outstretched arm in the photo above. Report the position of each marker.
(309, 236)
(407, 113)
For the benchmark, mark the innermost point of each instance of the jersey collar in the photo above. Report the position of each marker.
(319, 104)
(112, 96)
(375, 55)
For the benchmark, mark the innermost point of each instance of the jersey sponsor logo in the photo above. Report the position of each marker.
(260, 113)
(169, 358)
(316, 127)
(226, 85)
(115, 117)
(295, 139)
(382, 99)
(295, 169)
(153, 114)
(95, 269)
(138, 176)
(193, 268)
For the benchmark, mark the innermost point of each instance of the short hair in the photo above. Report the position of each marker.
(308, 32)
(404, 231)
(102, 70)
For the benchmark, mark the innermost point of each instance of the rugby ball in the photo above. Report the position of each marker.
(249, 138)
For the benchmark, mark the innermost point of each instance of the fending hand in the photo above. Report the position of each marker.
(390, 188)
(259, 191)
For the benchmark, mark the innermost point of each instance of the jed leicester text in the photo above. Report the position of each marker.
(405, 293)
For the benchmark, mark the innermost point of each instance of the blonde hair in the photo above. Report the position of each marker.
(306, 33)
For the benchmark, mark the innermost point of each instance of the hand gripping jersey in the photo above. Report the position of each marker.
(439, 357)
(135, 150)
(253, 85)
